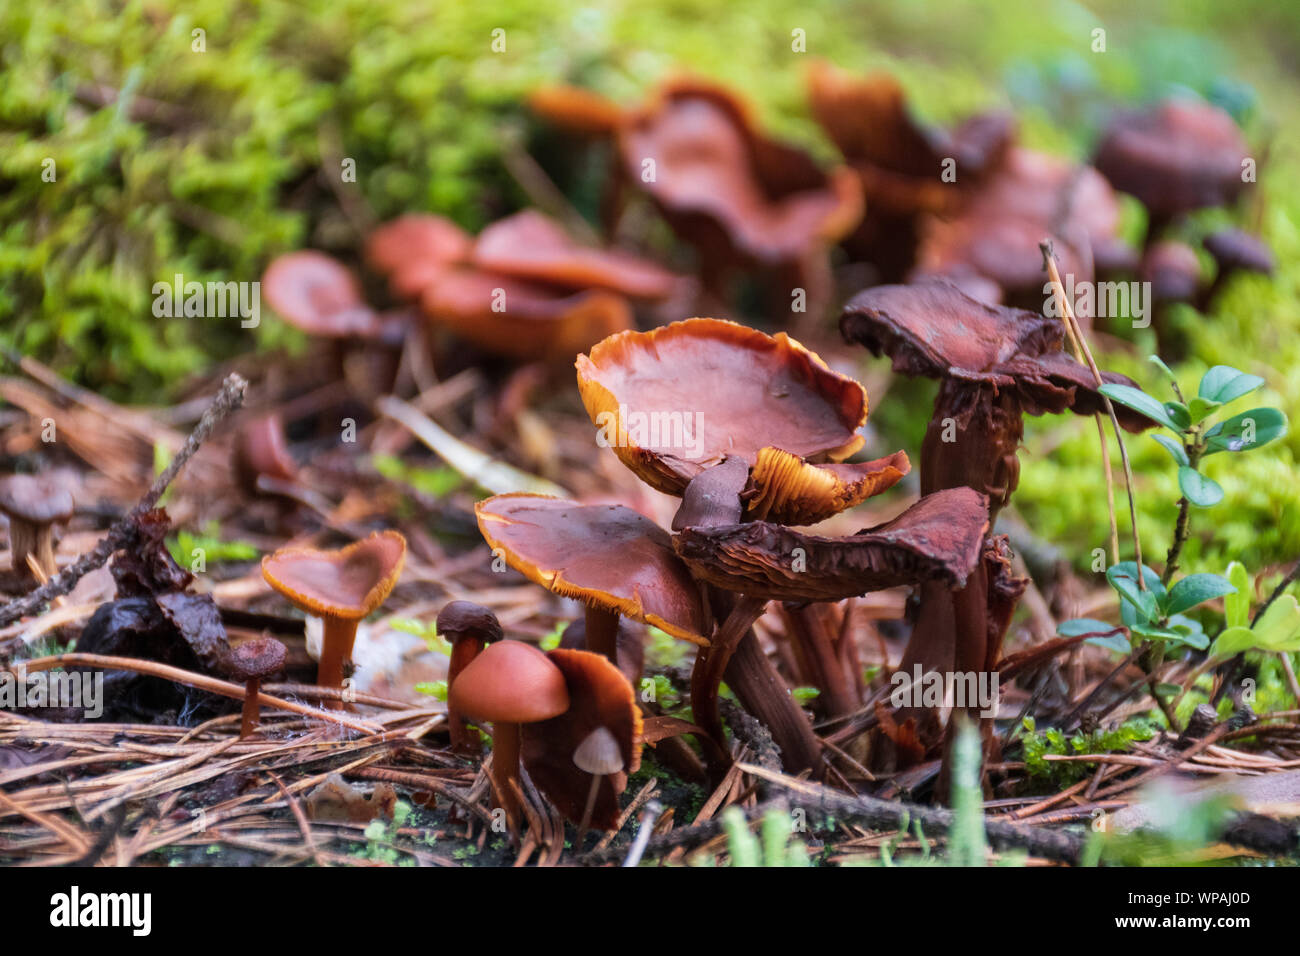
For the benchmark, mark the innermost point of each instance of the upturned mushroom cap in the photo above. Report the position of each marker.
(736, 393)
(938, 538)
(510, 682)
(529, 245)
(318, 295)
(256, 658)
(934, 330)
(1176, 156)
(35, 499)
(717, 178)
(461, 618)
(347, 583)
(415, 250)
(606, 555)
(522, 320)
(602, 709)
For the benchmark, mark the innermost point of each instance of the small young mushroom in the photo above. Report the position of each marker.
(34, 505)
(598, 755)
(415, 250)
(1235, 252)
(509, 684)
(1173, 270)
(467, 627)
(341, 587)
(252, 662)
(262, 463)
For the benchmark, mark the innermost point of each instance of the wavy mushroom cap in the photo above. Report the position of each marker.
(938, 538)
(716, 176)
(606, 555)
(522, 320)
(1179, 155)
(600, 732)
(319, 295)
(349, 582)
(510, 682)
(414, 250)
(678, 400)
(529, 245)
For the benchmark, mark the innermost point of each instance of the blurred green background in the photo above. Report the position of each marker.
(209, 163)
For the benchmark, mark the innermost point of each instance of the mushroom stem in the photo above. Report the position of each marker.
(586, 813)
(602, 632)
(463, 650)
(711, 661)
(248, 723)
(26, 538)
(335, 654)
(809, 628)
(764, 694)
(505, 767)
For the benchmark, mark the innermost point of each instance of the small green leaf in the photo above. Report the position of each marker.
(1236, 606)
(1174, 448)
(1139, 401)
(1145, 602)
(1168, 690)
(436, 689)
(1232, 642)
(1278, 628)
(1196, 589)
(1201, 409)
(1159, 363)
(1245, 431)
(1224, 384)
(1083, 625)
(1181, 415)
(1199, 490)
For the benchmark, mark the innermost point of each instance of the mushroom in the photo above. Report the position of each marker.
(629, 645)
(1173, 270)
(341, 587)
(34, 505)
(252, 661)
(262, 462)
(510, 683)
(1235, 252)
(576, 109)
(598, 755)
(1174, 157)
(415, 250)
(717, 390)
(467, 627)
(899, 162)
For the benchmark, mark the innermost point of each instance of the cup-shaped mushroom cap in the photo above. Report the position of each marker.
(522, 320)
(933, 329)
(677, 400)
(529, 245)
(347, 583)
(256, 658)
(465, 618)
(606, 555)
(319, 295)
(1173, 269)
(938, 538)
(1235, 249)
(1179, 155)
(414, 250)
(510, 682)
(602, 709)
(715, 177)
(35, 499)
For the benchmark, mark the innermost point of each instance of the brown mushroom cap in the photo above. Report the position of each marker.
(510, 682)
(1173, 269)
(534, 321)
(717, 177)
(261, 449)
(932, 329)
(461, 618)
(34, 499)
(938, 538)
(415, 250)
(529, 245)
(1236, 249)
(600, 699)
(606, 555)
(765, 400)
(1178, 155)
(319, 295)
(256, 658)
(347, 583)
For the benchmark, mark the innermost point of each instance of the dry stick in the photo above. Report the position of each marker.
(123, 532)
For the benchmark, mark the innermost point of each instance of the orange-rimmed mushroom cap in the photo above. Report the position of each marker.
(532, 246)
(347, 583)
(600, 699)
(576, 109)
(938, 538)
(606, 555)
(415, 249)
(523, 320)
(319, 295)
(1179, 155)
(510, 682)
(715, 174)
(735, 392)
